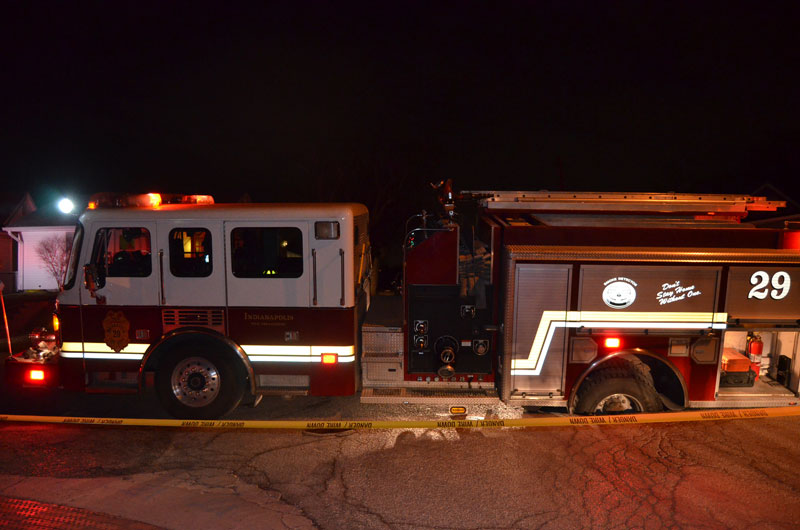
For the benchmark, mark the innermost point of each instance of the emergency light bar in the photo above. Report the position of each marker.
(144, 200)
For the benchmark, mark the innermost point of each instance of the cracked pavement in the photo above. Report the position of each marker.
(727, 474)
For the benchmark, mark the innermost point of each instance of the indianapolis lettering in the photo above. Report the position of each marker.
(268, 317)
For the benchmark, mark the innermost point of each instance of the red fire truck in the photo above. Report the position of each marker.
(596, 302)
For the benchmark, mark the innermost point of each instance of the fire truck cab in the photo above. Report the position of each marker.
(213, 303)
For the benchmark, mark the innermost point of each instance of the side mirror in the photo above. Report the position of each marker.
(93, 282)
(89, 278)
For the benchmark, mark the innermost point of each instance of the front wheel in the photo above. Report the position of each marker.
(197, 385)
(619, 389)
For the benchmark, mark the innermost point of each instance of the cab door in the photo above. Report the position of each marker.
(269, 264)
(121, 315)
(191, 263)
(122, 257)
(330, 284)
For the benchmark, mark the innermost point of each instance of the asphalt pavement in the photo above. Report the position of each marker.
(715, 474)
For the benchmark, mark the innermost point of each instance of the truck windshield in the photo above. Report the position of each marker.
(75, 253)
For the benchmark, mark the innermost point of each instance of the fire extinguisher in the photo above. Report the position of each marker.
(755, 348)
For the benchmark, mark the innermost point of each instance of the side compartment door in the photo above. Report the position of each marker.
(268, 264)
(191, 263)
(541, 298)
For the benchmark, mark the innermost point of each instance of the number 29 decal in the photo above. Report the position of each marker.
(761, 282)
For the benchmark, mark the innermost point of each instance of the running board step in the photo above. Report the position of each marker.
(438, 396)
(281, 391)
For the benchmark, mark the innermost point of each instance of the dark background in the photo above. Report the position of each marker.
(309, 101)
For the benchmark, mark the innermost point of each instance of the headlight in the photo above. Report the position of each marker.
(41, 339)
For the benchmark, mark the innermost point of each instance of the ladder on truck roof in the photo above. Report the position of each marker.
(624, 202)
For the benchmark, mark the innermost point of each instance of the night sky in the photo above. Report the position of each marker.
(369, 102)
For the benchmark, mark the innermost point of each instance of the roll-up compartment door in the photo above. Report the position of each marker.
(541, 298)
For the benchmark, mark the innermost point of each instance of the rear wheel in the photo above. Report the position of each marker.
(198, 384)
(624, 387)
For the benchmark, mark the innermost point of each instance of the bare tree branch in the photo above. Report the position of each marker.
(54, 253)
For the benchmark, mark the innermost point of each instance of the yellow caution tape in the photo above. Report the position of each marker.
(544, 421)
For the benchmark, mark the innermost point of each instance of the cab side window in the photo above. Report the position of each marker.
(190, 252)
(262, 252)
(122, 252)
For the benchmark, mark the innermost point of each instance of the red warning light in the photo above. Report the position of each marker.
(612, 342)
(36, 376)
(329, 358)
(791, 239)
(155, 199)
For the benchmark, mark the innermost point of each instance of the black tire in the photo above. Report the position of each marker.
(624, 386)
(197, 383)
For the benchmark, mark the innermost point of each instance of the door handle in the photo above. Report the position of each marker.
(161, 274)
(341, 256)
(314, 272)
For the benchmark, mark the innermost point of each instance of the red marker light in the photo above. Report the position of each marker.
(36, 376)
(790, 239)
(329, 358)
(612, 342)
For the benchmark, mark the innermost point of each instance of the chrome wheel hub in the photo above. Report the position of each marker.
(195, 382)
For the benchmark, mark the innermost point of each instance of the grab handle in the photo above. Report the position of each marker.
(341, 255)
(314, 270)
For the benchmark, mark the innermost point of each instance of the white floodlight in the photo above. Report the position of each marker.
(66, 205)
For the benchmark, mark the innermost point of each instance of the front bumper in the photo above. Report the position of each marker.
(26, 373)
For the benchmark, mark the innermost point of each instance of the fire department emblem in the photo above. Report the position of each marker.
(116, 328)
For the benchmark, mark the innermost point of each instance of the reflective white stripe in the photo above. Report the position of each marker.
(255, 349)
(643, 316)
(651, 325)
(341, 351)
(278, 354)
(255, 352)
(551, 320)
(99, 350)
(291, 359)
(253, 358)
(93, 355)
(99, 347)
